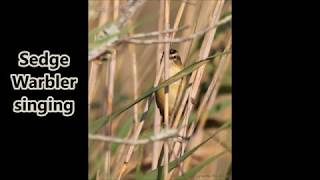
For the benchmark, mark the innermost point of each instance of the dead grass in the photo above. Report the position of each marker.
(128, 70)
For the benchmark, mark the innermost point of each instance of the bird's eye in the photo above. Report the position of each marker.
(172, 51)
(175, 57)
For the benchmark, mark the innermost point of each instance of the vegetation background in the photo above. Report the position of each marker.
(128, 71)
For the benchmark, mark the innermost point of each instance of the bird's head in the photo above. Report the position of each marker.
(174, 56)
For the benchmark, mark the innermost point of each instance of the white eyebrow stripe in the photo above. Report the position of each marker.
(175, 54)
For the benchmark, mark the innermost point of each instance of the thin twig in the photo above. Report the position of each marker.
(128, 12)
(182, 39)
(154, 33)
(96, 52)
(166, 89)
(165, 134)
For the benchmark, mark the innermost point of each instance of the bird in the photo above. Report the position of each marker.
(175, 66)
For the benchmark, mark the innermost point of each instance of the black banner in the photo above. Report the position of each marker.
(39, 143)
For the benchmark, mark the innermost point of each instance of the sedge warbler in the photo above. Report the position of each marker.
(175, 66)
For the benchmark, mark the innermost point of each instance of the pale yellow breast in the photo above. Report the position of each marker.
(173, 90)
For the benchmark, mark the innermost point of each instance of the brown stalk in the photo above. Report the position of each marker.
(140, 125)
(196, 76)
(104, 16)
(186, 48)
(94, 68)
(209, 95)
(157, 117)
(178, 17)
(132, 51)
(157, 122)
(204, 52)
(142, 75)
(136, 124)
(180, 91)
(166, 89)
(192, 16)
(110, 92)
(209, 100)
(94, 71)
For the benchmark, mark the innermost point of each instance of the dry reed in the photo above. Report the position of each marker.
(133, 64)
